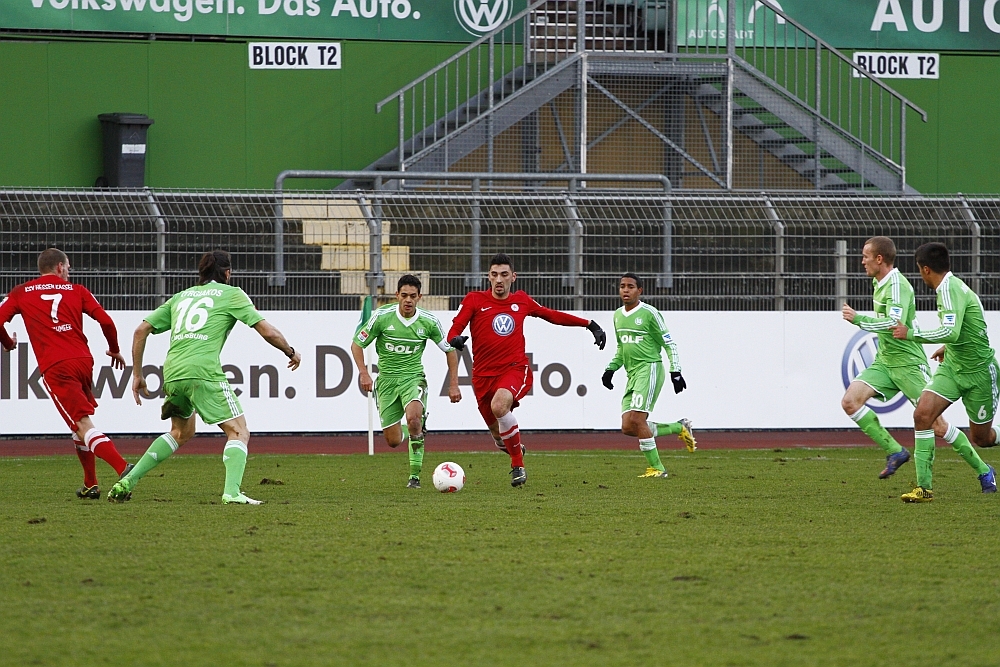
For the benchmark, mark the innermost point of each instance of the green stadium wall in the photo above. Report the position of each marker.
(220, 124)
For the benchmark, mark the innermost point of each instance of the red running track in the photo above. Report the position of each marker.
(465, 442)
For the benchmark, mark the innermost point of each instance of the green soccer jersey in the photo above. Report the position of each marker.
(401, 342)
(641, 333)
(963, 327)
(894, 303)
(199, 320)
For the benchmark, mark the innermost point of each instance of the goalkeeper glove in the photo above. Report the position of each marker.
(679, 383)
(600, 338)
(606, 379)
(458, 342)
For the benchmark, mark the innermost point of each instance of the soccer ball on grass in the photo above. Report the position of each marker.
(449, 477)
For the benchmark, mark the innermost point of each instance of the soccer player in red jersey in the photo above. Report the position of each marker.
(52, 309)
(501, 375)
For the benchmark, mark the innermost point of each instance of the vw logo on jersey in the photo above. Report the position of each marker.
(859, 355)
(479, 17)
(503, 324)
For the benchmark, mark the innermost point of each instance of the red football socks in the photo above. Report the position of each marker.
(511, 437)
(102, 446)
(87, 461)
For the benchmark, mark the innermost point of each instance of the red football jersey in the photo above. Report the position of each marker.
(498, 328)
(53, 310)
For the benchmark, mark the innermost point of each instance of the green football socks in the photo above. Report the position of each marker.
(416, 447)
(672, 428)
(960, 443)
(648, 447)
(158, 451)
(923, 455)
(234, 456)
(868, 422)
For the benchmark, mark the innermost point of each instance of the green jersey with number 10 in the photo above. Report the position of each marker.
(199, 320)
(641, 334)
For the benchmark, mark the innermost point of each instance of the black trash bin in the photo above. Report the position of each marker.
(124, 149)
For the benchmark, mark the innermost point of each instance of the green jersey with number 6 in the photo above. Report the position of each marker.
(199, 320)
(401, 341)
(641, 334)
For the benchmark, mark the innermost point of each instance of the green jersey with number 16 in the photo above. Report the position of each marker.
(199, 320)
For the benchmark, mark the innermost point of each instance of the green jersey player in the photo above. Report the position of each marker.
(401, 331)
(641, 334)
(199, 320)
(899, 365)
(968, 371)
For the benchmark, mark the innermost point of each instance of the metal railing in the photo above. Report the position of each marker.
(781, 85)
(698, 250)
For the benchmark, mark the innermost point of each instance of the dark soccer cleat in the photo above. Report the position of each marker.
(892, 463)
(94, 493)
(518, 477)
(988, 480)
(414, 483)
(128, 469)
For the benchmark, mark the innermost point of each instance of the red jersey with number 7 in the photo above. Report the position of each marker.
(53, 309)
(497, 328)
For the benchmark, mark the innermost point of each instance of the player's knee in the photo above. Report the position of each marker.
(922, 419)
(499, 408)
(849, 404)
(414, 424)
(981, 438)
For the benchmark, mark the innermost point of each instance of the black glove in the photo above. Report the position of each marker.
(458, 342)
(606, 379)
(600, 338)
(679, 383)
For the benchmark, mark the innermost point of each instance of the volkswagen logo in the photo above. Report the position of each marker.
(479, 17)
(503, 324)
(859, 355)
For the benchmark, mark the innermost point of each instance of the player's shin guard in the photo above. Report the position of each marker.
(960, 443)
(158, 452)
(104, 449)
(868, 422)
(235, 457)
(87, 460)
(416, 447)
(923, 455)
(672, 428)
(511, 436)
(648, 448)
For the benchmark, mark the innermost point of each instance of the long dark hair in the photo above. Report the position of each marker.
(213, 266)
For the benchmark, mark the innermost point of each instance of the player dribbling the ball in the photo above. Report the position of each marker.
(501, 376)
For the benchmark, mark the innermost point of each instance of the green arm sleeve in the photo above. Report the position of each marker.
(244, 310)
(436, 334)
(369, 332)
(659, 329)
(617, 361)
(951, 313)
(875, 324)
(159, 319)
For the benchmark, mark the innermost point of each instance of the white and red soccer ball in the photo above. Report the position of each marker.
(449, 477)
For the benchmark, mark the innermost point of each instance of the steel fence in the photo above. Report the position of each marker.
(698, 251)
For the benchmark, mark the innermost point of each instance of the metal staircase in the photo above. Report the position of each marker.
(627, 83)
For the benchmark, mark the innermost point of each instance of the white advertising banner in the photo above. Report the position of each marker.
(745, 370)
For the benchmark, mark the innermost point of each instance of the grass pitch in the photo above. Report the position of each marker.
(799, 557)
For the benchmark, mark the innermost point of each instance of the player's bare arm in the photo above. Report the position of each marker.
(271, 334)
(454, 392)
(138, 350)
(359, 360)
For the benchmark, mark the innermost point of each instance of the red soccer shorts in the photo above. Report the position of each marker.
(517, 380)
(69, 383)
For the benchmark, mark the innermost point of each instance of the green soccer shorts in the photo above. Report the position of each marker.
(888, 381)
(978, 389)
(213, 400)
(643, 387)
(393, 395)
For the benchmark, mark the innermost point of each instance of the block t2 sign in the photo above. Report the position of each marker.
(294, 55)
(895, 65)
